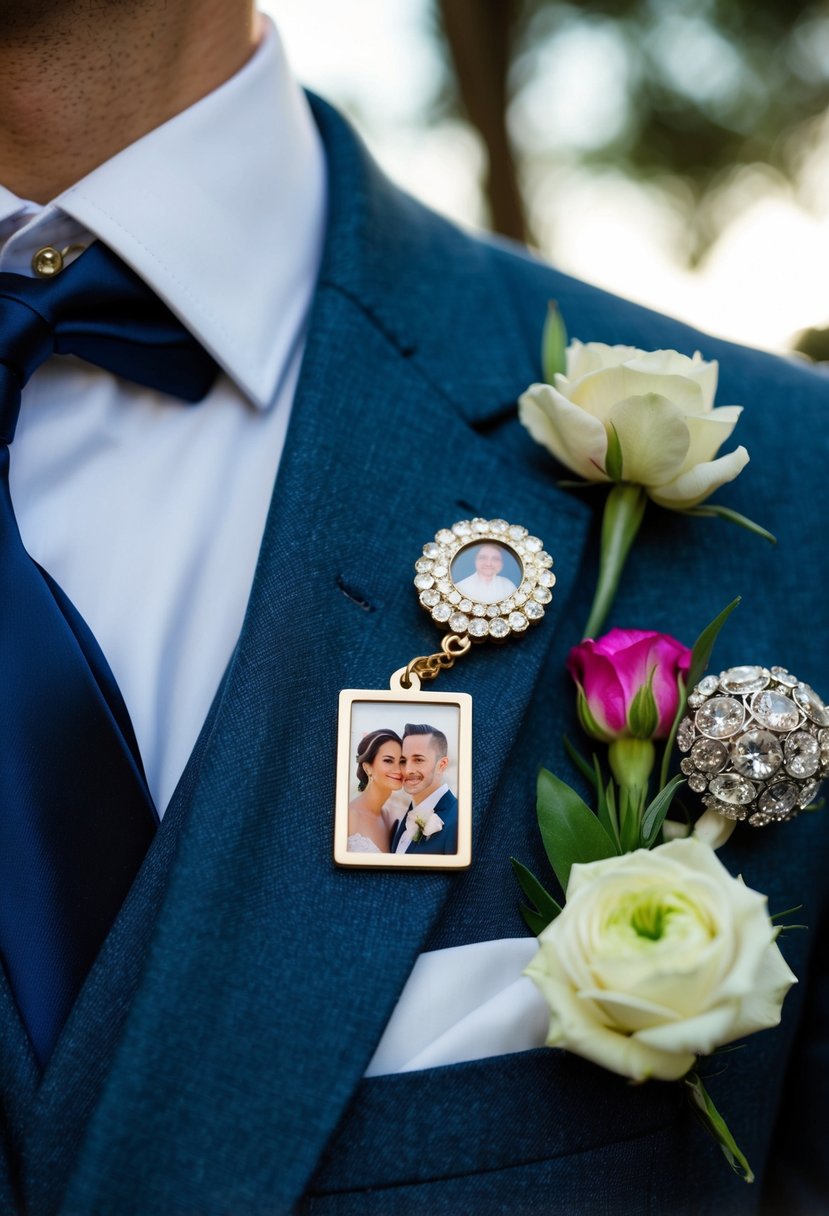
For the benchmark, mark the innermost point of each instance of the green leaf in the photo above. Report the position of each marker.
(569, 830)
(581, 764)
(588, 722)
(547, 908)
(704, 645)
(553, 344)
(533, 920)
(643, 715)
(605, 813)
(655, 814)
(613, 813)
(613, 460)
(700, 658)
(631, 798)
(716, 1126)
(733, 517)
(671, 740)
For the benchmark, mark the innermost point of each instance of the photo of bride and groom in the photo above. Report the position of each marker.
(403, 804)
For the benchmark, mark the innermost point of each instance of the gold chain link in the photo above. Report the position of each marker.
(427, 666)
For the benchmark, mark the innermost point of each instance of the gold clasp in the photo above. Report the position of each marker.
(427, 667)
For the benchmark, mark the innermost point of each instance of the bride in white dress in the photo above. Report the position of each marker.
(379, 775)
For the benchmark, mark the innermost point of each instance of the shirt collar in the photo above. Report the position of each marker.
(430, 802)
(221, 211)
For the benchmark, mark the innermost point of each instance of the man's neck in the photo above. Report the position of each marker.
(80, 80)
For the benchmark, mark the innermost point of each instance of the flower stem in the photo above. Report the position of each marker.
(623, 513)
(631, 761)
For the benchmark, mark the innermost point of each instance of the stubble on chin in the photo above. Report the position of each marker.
(25, 19)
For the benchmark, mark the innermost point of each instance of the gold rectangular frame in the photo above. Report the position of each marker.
(345, 763)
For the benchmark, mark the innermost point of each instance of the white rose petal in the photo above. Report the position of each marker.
(574, 437)
(708, 432)
(600, 391)
(586, 357)
(694, 486)
(653, 436)
(607, 385)
(658, 956)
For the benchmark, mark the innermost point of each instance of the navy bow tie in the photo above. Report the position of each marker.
(76, 816)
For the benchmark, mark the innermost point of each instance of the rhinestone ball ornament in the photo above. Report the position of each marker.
(755, 743)
(453, 608)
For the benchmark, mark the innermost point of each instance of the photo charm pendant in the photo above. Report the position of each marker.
(404, 756)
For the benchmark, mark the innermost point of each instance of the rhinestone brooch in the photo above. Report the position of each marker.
(755, 744)
(484, 579)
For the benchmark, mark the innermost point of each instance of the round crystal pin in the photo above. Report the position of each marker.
(720, 717)
(775, 710)
(762, 750)
(778, 799)
(811, 704)
(757, 754)
(733, 789)
(802, 754)
(744, 679)
(709, 755)
(448, 563)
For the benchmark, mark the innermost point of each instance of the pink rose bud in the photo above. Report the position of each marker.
(628, 683)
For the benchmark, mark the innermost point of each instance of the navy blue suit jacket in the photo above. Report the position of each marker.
(213, 1061)
(444, 841)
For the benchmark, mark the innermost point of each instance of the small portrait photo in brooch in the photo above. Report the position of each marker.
(486, 571)
(404, 798)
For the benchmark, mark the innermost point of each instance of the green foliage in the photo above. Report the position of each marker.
(716, 1126)
(613, 463)
(588, 722)
(643, 715)
(546, 909)
(570, 831)
(588, 772)
(654, 815)
(713, 509)
(553, 344)
(703, 647)
(700, 658)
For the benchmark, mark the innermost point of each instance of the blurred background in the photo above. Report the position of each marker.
(673, 151)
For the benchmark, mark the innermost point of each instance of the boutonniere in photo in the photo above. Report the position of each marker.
(642, 422)
(423, 826)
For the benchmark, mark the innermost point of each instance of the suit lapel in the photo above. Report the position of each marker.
(270, 974)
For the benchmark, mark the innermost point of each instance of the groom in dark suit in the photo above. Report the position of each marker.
(425, 759)
(213, 1059)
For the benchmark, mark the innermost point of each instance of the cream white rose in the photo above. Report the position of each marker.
(658, 956)
(661, 406)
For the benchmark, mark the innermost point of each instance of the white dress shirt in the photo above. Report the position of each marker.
(150, 513)
(422, 811)
(486, 590)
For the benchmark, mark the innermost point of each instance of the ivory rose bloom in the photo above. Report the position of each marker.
(660, 407)
(658, 956)
(614, 673)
